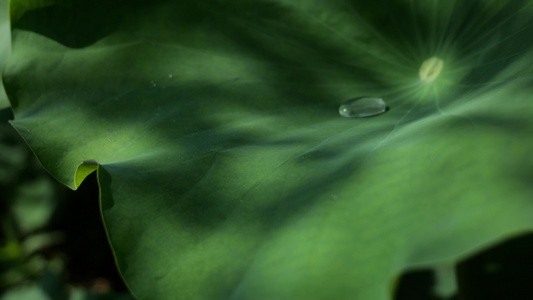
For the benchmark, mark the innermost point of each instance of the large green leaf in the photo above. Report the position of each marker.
(225, 170)
(5, 43)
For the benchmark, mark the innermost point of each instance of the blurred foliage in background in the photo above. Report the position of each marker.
(52, 243)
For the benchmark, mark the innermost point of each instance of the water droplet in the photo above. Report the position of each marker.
(362, 107)
(431, 69)
(170, 76)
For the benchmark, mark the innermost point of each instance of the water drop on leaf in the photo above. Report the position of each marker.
(362, 107)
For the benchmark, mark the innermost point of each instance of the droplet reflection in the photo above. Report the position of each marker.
(362, 107)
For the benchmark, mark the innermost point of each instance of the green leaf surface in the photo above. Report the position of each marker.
(225, 170)
(5, 47)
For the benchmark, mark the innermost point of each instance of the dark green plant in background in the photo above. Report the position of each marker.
(47, 252)
(225, 170)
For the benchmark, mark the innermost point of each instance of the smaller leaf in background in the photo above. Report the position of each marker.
(446, 283)
(32, 292)
(34, 204)
(9, 251)
(13, 153)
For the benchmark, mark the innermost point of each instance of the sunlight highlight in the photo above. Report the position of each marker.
(431, 69)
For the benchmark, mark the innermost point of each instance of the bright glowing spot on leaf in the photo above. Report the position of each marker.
(431, 69)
